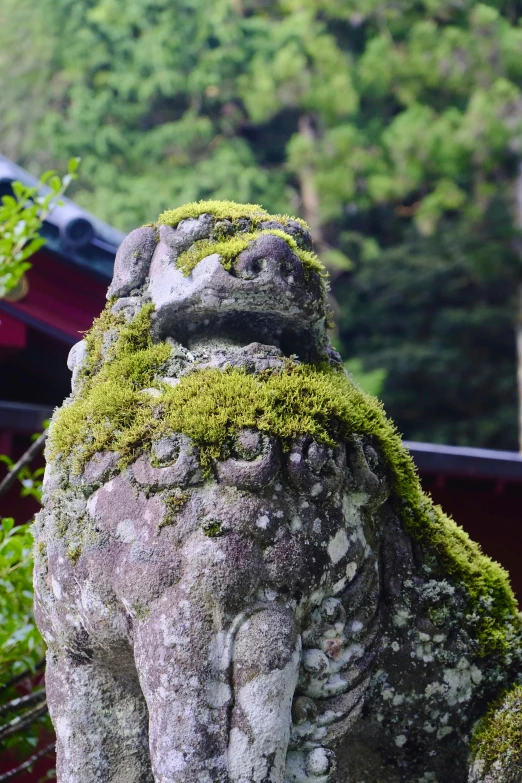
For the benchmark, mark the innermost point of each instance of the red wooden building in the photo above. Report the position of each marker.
(481, 489)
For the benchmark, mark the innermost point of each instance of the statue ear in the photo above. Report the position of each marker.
(132, 262)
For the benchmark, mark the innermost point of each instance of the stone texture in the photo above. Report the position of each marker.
(269, 623)
(132, 261)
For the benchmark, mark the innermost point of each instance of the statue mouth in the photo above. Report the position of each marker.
(292, 337)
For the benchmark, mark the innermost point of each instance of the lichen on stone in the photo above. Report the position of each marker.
(212, 528)
(173, 501)
(497, 739)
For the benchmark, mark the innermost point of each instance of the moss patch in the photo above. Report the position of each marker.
(212, 528)
(229, 249)
(174, 501)
(110, 405)
(230, 240)
(111, 412)
(222, 210)
(498, 736)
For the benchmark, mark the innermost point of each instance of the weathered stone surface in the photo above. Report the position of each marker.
(132, 261)
(186, 232)
(264, 618)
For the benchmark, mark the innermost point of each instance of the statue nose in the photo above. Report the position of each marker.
(270, 257)
(288, 268)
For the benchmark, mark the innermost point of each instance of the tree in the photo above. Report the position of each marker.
(364, 121)
(445, 341)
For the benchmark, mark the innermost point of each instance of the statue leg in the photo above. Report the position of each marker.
(178, 660)
(101, 721)
(266, 657)
(220, 708)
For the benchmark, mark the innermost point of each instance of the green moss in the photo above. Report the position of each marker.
(111, 412)
(229, 248)
(111, 406)
(498, 736)
(74, 552)
(230, 241)
(221, 210)
(212, 528)
(140, 612)
(173, 502)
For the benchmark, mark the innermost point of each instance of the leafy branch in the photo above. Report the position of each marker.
(21, 218)
(31, 480)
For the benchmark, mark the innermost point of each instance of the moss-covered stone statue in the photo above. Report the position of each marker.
(237, 574)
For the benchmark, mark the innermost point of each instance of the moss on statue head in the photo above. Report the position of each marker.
(112, 411)
(498, 735)
(230, 240)
(110, 402)
(222, 210)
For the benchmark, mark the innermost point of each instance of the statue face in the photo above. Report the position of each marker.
(267, 297)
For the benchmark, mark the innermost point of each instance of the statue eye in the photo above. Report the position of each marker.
(175, 462)
(166, 451)
(251, 268)
(318, 457)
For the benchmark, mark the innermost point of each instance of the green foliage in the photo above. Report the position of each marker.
(437, 316)
(21, 217)
(370, 381)
(205, 103)
(31, 480)
(113, 411)
(497, 736)
(21, 646)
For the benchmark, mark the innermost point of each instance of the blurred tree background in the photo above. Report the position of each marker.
(394, 127)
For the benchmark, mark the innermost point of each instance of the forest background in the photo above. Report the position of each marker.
(392, 127)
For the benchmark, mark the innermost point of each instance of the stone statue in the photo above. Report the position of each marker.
(237, 575)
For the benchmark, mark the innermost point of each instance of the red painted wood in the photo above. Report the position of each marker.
(6, 443)
(13, 333)
(61, 296)
(491, 518)
(40, 770)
